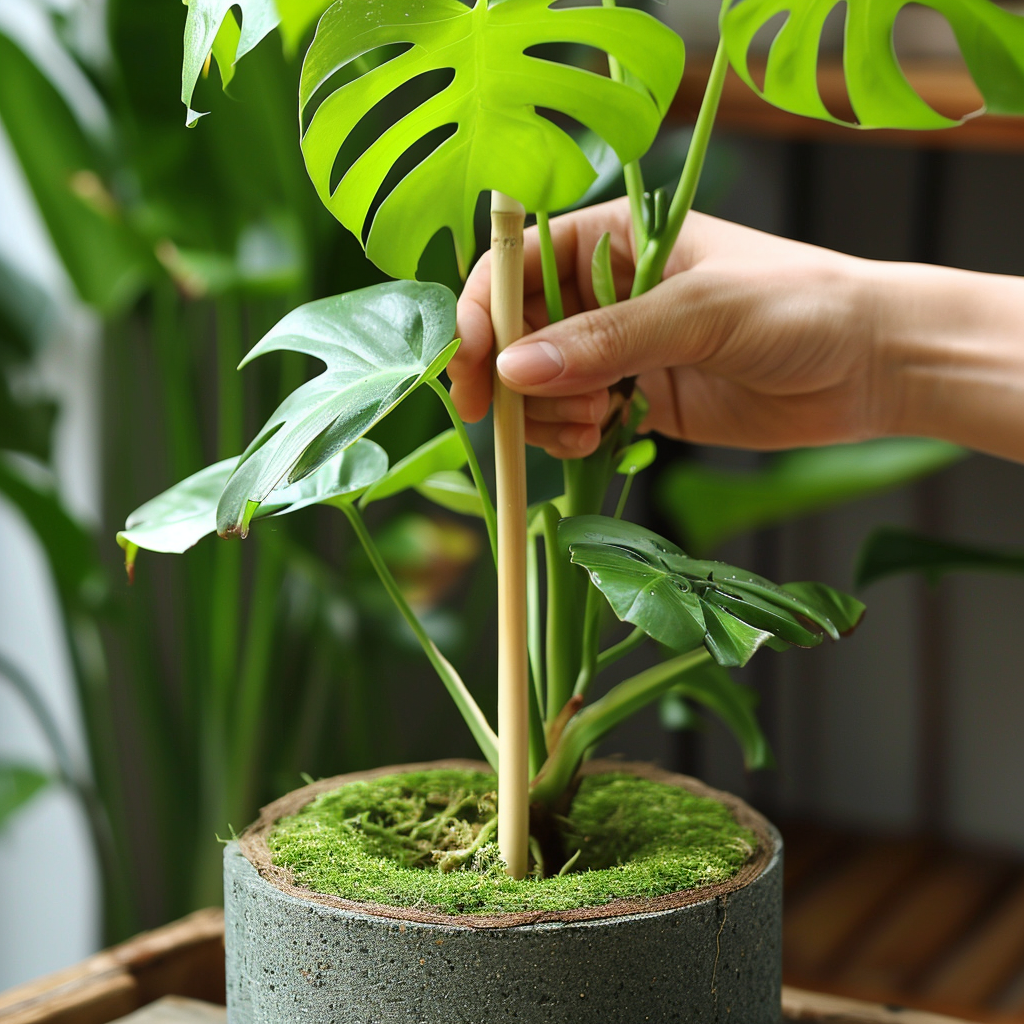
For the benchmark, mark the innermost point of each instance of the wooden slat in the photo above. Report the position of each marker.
(800, 1005)
(175, 1010)
(921, 926)
(184, 958)
(947, 86)
(829, 916)
(989, 958)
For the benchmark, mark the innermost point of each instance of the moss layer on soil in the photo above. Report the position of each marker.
(426, 840)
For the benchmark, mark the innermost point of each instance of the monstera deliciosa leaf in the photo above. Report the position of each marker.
(184, 514)
(379, 344)
(498, 137)
(684, 602)
(991, 41)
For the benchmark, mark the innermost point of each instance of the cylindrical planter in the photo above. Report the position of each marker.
(710, 954)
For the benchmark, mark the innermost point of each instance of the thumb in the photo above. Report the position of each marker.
(596, 349)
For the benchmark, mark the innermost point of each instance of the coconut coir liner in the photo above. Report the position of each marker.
(253, 844)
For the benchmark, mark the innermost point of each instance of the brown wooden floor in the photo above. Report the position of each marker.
(910, 922)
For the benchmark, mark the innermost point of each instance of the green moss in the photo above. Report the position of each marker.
(426, 840)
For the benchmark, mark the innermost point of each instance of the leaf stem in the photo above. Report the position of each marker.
(631, 171)
(588, 726)
(549, 270)
(621, 649)
(484, 735)
(560, 624)
(651, 264)
(490, 517)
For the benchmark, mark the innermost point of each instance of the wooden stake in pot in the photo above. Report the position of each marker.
(507, 218)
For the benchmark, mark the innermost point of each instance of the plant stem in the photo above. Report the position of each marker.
(631, 171)
(549, 268)
(588, 726)
(627, 486)
(621, 649)
(534, 638)
(468, 707)
(591, 641)
(651, 264)
(507, 219)
(490, 517)
(561, 626)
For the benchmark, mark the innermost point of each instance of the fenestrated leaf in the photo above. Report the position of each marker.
(378, 345)
(683, 602)
(187, 512)
(444, 452)
(710, 505)
(453, 490)
(18, 785)
(844, 610)
(500, 140)
(713, 687)
(991, 41)
(890, 551)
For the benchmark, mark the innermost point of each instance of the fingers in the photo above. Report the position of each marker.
(583, 409)
(596, 349)
(564, 441)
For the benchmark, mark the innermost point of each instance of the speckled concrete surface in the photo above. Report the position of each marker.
(291, 960)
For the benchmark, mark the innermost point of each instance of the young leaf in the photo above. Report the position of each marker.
(889, 551)
(453, 490)
(711, 505)
(378, 344)
(683, 602)
(187, 512)
(637, 457)
(601, 272)
(18, 785)
(991, 41)
(444, 452)
(500, 140)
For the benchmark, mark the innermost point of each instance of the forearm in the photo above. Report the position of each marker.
(951, 356)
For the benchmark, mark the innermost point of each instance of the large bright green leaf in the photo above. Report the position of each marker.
(684, 602)
(712, 505)
(500, 140)
(18, 785)
(991, 41)
(890, 551)
(453, 490)
(187, 512)
(378, 344)
(713, 687)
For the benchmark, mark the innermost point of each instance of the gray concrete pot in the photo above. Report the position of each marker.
(707, 955)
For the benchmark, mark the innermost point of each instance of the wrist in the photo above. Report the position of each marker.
(948, 356)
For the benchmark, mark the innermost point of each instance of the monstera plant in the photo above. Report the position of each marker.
(480, 97)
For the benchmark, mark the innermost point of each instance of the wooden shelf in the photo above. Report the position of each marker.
(948, 87)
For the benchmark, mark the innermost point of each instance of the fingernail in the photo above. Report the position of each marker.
(535, 363)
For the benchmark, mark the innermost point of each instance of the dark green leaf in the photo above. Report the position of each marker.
(841, 609)
(500, 141)
(187, 512)
(18, 785)
(712, 505)
(378, 344)
(683, 602)
(713, 687)
(991, 41)
(889, 551)
(70, 548)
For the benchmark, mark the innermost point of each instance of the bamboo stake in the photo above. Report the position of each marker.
(507, 218)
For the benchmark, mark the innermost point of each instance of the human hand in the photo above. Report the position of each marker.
(750, 340)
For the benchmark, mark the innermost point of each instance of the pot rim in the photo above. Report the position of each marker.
(253, 845)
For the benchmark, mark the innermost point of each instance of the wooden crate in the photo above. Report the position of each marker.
(175, 975)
